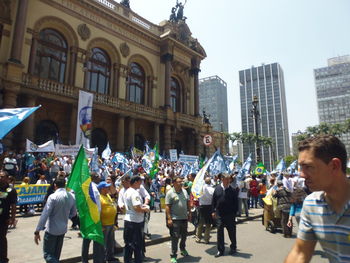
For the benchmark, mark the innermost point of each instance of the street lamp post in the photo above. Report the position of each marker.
(255, 113)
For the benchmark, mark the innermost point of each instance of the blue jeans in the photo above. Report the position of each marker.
(52, 247)
(97, 254)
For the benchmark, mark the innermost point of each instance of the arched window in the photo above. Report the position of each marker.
(51, 55)
(99, 139)
(45, 131)
(99, 70)
(136, 85)
(175, 95)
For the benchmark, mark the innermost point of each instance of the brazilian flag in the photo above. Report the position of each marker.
(154, 169)
(259, 169)
(80, 182)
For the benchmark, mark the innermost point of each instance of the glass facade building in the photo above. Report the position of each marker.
(333, 93)
(267, 83)
(213, 100)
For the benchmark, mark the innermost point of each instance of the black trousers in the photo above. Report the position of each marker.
(133, 241)
(228, 222)
(178, 231)
(3, 242)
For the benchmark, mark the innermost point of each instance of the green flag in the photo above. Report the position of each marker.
(154, 169)
(89, 215)
(259, 169)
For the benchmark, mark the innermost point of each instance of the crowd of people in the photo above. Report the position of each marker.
(135, 194)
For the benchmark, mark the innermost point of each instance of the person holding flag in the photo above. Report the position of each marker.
(87, 200)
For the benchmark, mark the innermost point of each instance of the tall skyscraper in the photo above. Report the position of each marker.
(267, 84)
(333, 93)
(213, 100)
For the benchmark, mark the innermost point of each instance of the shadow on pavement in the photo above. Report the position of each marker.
(189, 259)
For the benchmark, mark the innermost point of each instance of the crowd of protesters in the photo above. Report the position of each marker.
(113, 186)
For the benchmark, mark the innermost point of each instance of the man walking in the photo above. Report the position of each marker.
(8, 199)
(178, 213)
(60, 206)
(325, 216)
(225, 206)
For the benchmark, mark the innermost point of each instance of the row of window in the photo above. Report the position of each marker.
(51, 63)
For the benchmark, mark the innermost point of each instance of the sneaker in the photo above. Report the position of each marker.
(184, 253)
(198, 240)
(173, 260)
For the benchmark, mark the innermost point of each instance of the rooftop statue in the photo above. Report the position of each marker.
(125, 3)
(177, 12)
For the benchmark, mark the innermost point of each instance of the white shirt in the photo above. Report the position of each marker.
(121, 202)
(143, 192)
(207, 195)
(132, 198)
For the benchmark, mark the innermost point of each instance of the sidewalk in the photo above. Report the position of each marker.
(21, 246)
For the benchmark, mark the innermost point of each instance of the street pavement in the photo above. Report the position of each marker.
(254, 244)
(22, 249)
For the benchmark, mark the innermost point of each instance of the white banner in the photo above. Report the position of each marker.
(188, 158)
(46, 147)
(173, 155)
(72, 150)
(84, 118)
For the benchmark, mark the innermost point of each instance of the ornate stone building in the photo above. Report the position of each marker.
(144, 77)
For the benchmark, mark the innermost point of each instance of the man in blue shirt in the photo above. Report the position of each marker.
(59, 208)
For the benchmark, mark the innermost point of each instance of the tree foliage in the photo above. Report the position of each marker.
(249, 138)
(336, 129)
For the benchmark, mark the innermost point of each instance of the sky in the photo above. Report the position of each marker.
(236, 34)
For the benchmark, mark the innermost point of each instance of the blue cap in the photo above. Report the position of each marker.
(103, 184)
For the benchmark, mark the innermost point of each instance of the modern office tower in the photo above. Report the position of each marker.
(266, 82)
(333, 93)
(213, 100)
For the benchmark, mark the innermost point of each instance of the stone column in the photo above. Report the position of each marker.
(156, 133)
(120, 134)
(19, 31)
(73, 124)
(167, 137)
(33, 49)
(123, 75)
(131, 130)
(28, 123)
(115, 87)
(199, 143)
(150, 90)
(73, 65)
(10, 101)
(167, 58)
(195, 72)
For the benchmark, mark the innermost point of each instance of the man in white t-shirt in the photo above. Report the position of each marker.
(133, 221)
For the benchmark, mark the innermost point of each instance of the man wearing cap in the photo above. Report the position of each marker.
(108, 214)
(133, 221)
(225, 206)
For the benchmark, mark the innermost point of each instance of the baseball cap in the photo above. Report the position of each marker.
(103, 184)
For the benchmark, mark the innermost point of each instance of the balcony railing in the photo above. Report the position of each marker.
(70, 91)
(66, 90)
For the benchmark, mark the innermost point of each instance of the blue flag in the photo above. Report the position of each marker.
(186, 169)
(10, 118)
(119, 161)
(94, 161)
(292, 167)
(218, 165)
(281, 166)
(199, 179)
(106, 152)
(245, 168)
